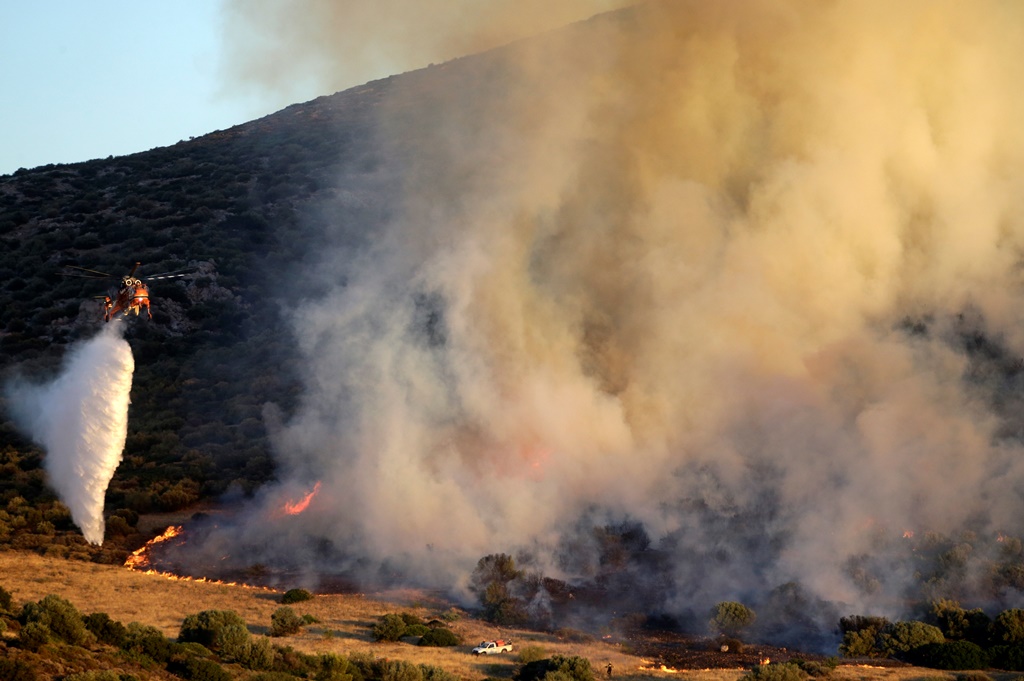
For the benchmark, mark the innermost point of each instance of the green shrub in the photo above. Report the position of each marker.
(257, 654)
(145, 639)
(390, 627)
(33, 636)
(950, 655)
(222, 631)
(899, 638)
(569, 668)
(815, 668)
(198, 669)
(17, 670)
(776, 671)
(959, 624)
(284, 622)
(416, 630)
(410, 619)
(334, 667)
(105, 629)
(104, 675)
(60, 617)
(296, 596)
(6, 600)
(432, 673)
(1008, 626)
(1008, 657)
(731, 618)
(400, 670)
(440, 638)
(530, 653)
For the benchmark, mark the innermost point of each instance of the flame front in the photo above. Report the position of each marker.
(297, 507)
(139, 560)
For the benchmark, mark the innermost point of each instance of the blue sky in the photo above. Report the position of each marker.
(84, 79)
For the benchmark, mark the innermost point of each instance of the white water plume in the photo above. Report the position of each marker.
(80, 419)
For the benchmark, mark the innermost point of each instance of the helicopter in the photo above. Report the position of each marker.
(132, 295)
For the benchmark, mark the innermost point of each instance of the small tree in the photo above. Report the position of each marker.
(731, 618)
(959, 624)
(1008, 626)
(491, 582)
(860, 634)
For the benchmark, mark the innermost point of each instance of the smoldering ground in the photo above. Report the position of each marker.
(743, 274)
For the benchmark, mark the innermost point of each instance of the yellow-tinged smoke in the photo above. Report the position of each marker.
(711, 266)
(278, 47)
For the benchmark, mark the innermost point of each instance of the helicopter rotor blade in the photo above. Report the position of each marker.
(95, 274)
(169, 275)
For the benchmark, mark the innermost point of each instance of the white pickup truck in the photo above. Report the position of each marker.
(493, 647)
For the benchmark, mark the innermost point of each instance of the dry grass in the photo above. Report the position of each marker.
(151, 599)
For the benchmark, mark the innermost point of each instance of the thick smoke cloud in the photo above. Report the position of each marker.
(280, 48)
(80, 419)
(744, 273)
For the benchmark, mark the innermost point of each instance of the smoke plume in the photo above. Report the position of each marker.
(280, 49)
(746, 275)
(80, 419)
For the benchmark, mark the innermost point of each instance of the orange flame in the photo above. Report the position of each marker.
(138, 561)
(140, 557)
(297, 507)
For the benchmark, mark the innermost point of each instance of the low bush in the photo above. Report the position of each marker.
(530, 653)
(432, 673)
(440, 638)
(390, 627)
(105, 629)
(815, 668)
(1009, 657)
(284, 622)
(296, 596)
(776, 671)
(17, 670)
(222, 631)
(60, 617)
(102, 675)
(33, 636)
(145, 639)
(198, 669)
(572, 668)
(416, 630)
(952, 655)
